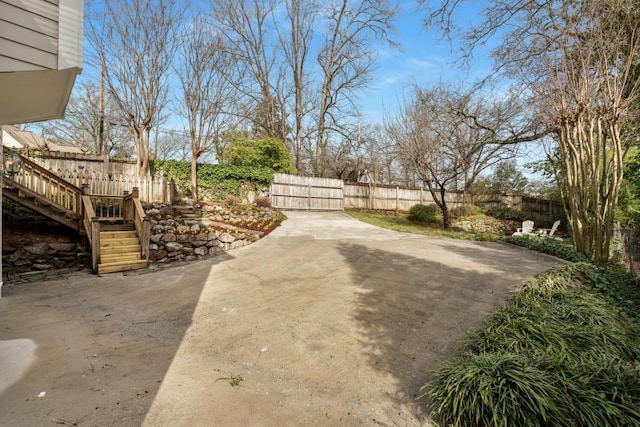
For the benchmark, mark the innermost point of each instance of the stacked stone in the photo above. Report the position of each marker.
(45, 256)
(495, 226)
(176, 240)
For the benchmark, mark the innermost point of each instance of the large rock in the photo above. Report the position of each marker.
(37, 248)
(185, 238)
(173, 246)
(226, 238)
(202, 250)
(63, 247)
(169, 237)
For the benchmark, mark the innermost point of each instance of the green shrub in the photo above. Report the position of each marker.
(215, 182)
(424, 213)
(562, 352)
(547, 246)
(495, 389)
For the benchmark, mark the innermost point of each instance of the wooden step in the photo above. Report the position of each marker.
(128, 241)
(121, 266)
(119, 257)
(122, 249)
(117, 234)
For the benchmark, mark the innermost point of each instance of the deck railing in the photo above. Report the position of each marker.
(33, 179)
(101, 209)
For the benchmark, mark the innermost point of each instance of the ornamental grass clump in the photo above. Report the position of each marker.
(561, 352)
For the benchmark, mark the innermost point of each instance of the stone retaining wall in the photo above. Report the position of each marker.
(176, 240)
(493, 226)
(42, 257)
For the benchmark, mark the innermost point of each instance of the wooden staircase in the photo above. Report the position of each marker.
(116, 226)
(120, 250)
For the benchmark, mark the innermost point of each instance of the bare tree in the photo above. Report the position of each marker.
(301, 16)
(137, 40)
(170, 144)
(82, 121)
(346, 60)
(578, 62)
(446, 147)
(259, 78)
(206, 93)
(362, 156)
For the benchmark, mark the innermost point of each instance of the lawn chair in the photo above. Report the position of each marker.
(526, 229)
(548, 232)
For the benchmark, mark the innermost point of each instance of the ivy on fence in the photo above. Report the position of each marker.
(215, 181)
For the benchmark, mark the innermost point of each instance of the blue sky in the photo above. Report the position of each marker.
(424, 59)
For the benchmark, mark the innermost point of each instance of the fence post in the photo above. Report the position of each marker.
(397, 199)
(95, 242)
(172, 192)
(80, 176)
(309, 196)
(164, 187)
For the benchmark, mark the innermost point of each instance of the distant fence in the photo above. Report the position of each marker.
(151, 190)
(365, 196)
(105, 175)
(91, 163)
(299, 192)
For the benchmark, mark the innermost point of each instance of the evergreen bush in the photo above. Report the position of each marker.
(424, 213)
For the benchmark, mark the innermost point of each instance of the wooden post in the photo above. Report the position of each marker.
(397, 199)
(309, 196)
(172, 192)
(95, 242)
(146, 237)
(164, 188)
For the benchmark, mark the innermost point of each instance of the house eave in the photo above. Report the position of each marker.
(33, 96)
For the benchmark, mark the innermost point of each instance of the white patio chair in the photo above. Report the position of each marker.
(526, 229)
(548, 232)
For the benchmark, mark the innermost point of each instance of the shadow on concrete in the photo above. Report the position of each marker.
(103, 344)
(416, 313)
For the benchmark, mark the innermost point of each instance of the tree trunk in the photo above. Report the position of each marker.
(194, 176)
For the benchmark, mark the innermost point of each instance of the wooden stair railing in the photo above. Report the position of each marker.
(118, 231)
(42, 190)
(116, 226)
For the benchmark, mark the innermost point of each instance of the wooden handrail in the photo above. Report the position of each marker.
(135, 212)
(89, 214)
(35, 178)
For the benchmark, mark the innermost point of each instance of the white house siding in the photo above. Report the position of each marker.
(70, 34)
(29, 31)
(40, 57)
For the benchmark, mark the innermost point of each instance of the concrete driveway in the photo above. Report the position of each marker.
(327, 321)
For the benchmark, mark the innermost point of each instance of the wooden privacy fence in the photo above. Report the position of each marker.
(308, 193)
(297, 192)
(151, 189)
(391, 198)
